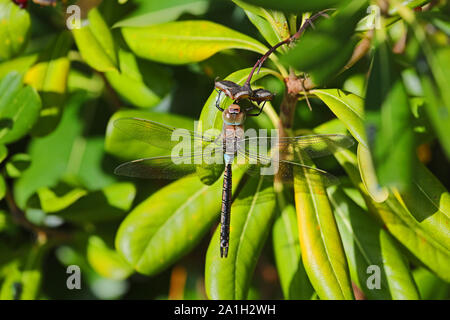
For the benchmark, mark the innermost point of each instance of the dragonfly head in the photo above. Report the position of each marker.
(233, 115)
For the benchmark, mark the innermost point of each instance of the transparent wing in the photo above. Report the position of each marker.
(166, 167)
(159, 135)
(297, 148)
(289, 157)
(285, 171)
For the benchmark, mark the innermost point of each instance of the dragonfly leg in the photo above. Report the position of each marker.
(218, 102)
(260, 110)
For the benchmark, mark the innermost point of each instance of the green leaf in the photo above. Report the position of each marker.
(14, 29)
(169, 223)
(19, 108)
(49, 77)
(251, 215)
(323, 52)
(271, 24)
(142, 83)
(67, 153)
(156, 12)
(322, 251)
(95, 42)
(105, 261)
(389, 120)
(286, 245)
(3, 152)
(435, 80)
(2, 191)
(110, 203)
(368, 175)
(296, 6)
(20, 65)
(121, 145)
(264, 27)
(413, 234)
(186, 41)
(348, 107)
(58, 199)
(430, 286)
(367, 244)
(17, 164)
(23, 282)
(427, 200)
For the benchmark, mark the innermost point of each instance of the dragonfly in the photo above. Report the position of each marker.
(231, 145)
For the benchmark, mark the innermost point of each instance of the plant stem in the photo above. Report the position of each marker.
(289, 40)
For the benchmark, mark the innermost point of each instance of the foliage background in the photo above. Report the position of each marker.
(62, 205)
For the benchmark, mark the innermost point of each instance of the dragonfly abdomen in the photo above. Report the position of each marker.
(225, 212)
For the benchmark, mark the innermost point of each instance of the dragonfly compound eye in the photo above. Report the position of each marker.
(233, 90)
(262, 95)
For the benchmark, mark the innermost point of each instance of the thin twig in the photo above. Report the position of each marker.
(289, 40)
(19, 217)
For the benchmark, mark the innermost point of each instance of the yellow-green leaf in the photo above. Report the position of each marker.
(183, 42)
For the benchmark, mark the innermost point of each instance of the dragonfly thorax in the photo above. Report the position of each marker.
(233, 115)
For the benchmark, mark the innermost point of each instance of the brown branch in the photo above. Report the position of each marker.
(42, 233)
(308, 22)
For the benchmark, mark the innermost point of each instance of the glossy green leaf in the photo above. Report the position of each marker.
(156, 12)
(95, 42)
(256, 16)
(367, 244)
(428, 202)
(368, 175)
(322, 52)
(413, 234)
(121, 145)
(272, 25)
(322, 252)
(186, 41)
(348, 107)
(286, 245)
(389, 120)
(321, 246)
(296, 6)
(169, 223)
(105, 261)
(430, 286)
(142, 83)
(14, 29)
(251, 215)
(49, 77)
(19, 108)
(435, 80)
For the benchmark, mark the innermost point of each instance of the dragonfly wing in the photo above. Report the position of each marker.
(296, 148)
(158, 167)
(286, 170)
(159, 135)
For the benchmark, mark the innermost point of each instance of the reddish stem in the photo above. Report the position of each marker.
(289, 40)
